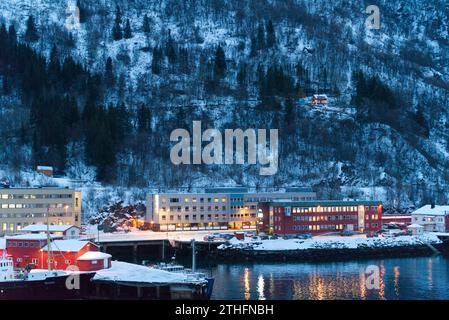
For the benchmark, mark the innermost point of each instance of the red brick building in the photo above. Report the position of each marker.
(320, 216)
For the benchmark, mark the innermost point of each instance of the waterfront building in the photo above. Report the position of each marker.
(320, 216)
(214, 208)
(32, 249)
(20, 207)
(432, 218)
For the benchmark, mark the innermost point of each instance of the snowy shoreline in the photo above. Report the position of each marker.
(328, 249)
(330, 243)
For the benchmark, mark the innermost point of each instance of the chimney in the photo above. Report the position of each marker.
(432, 205)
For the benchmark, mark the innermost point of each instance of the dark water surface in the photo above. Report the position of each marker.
(402, 278)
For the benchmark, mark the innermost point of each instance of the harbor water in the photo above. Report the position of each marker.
(401, 278)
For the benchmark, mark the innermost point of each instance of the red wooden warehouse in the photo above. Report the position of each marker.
(32, 249)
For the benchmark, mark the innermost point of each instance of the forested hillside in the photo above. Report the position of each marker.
(98, 100)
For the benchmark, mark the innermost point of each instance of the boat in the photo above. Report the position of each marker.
(41, 284)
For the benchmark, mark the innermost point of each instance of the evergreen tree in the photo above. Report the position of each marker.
(184, 60)
(31, 31)
(271, 35)
(219, 63)
(117, 33)
(261, 37)
(156, 61)
(253, 51)
(170, 50)
(109, 72)
(146, 28)
(6, 88)
(127, 34)
(54, 67)
(144, 119)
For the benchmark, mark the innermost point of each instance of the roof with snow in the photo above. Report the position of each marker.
(94, 255)
(436, 211)
(47, 168)
(33, 236)
(68, 245)
(320, 96)
(43, 228)
(415, 226)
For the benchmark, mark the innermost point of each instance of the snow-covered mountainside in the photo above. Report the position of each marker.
(237, 64)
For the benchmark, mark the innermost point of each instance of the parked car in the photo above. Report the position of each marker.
(303, 236)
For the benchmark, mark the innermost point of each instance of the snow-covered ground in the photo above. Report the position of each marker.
(123, 271)
(331, 242)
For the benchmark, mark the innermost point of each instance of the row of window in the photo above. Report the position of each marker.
(35, 261)
(34, 215)
(194, 200)
(23, 244)
(12, 227)
(270, 199)
(194, 208)
(35, 196)
(429, 219)
(193, 217)
(324, 218)
(324, 209)
(33, 205)
(319, 227)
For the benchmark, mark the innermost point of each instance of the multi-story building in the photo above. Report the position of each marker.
(320, 216)
(20, 207)
(432, 218)
(215, 208)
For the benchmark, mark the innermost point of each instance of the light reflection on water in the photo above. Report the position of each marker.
(403, 278)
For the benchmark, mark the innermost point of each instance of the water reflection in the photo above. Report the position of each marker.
(247, 284)
(404, 278)
(261, 287)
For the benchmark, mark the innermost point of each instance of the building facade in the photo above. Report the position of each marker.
(215, 208)
(320, 216)
(20, 207)
(432, 218)
(32, 249)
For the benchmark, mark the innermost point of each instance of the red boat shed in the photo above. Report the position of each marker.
(85, 255)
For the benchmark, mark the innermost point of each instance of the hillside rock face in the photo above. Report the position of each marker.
(162, 64)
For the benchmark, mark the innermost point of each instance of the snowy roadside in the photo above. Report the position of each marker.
(330, 243)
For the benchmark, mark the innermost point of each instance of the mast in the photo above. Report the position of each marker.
(48, 241)
(193, 256)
